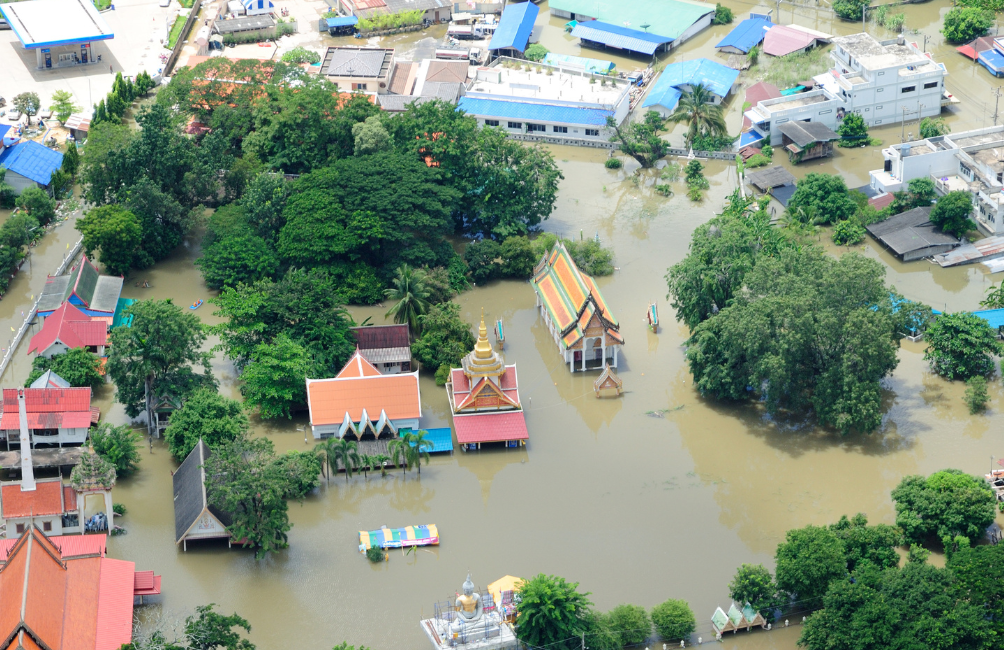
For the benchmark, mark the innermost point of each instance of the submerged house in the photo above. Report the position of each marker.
(638, 23)
(68, 328)
(194, 517)
(387, 347)
(83, 287)
(58, 416)
(361, 403)
(586, 333)
(28, 163)
(681, 77)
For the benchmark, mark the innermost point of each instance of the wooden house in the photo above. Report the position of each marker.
(387, 347)
(586, 333)
(807, 140)
(194, 517)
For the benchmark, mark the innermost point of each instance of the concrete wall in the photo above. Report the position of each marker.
(693, 30)
(19, 182)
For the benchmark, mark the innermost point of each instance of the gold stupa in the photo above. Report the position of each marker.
(483, 361)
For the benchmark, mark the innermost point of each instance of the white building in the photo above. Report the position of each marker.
(545, 103)
(970, 161)
(885, 82)
(814, 106)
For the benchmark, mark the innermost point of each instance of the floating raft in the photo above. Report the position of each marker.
(196, 304)
(399, 537)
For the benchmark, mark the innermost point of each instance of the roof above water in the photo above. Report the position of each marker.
(48, 23)
(669, 18)
(579, 62)
(781, 40)
(805, 133)
(514, 27)
(747, 34)
(620, 37)
(534, 111)
(342, 21)
(190, 492)
(31, 159)
(716, 77)
(771, 177)
(357, 62)
(910, 231)
(373, 337)
(360, 387)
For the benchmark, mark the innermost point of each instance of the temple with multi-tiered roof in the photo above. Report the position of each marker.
(586, 333)
(484, 398)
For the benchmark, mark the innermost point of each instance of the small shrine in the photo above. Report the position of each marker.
(608, 384)
(737, 619)
(471, 620)
(484, 398)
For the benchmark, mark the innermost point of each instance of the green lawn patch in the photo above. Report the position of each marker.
(179, 24)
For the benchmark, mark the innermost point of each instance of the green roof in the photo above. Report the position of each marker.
(668, 18)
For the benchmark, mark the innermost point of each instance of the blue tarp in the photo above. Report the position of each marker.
(589, 65)
(715, 76)
(747, 34)
(531, 112)
(442, 440)
(32, 160)
(514, 27)
(620, 37)
(342, 21)
(993, 61)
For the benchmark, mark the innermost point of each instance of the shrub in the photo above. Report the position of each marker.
(976, 396)
(117, 445)
(674, 620)
(848, 233)
(723, 15)
(671, 172)
(536, 52)
(757, 160)
(932, 127)
(301, 54)
(850, 9)
(664, 189)
(613, 163)
(630, 623)
(119, 509)
(375, 554)
(694, 194)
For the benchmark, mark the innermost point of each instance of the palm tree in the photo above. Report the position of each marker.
(410, 296)
(345, 452)
(368, 464)
(397, 448)
(416, 449)
(698, 109)
(326, 451)
(380, 459)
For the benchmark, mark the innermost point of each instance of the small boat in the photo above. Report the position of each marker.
(398, 537)
(197, 304)
(500, 333)
(652, 316)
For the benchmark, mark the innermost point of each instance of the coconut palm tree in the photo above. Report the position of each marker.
(368, 464)
(398, 450)
(415, 452)
(380, 459)
(345, 452)
(698, 109)
(325, 450)
(410, 296)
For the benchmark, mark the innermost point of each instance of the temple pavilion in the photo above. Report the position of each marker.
(484, 398)
(586, 333)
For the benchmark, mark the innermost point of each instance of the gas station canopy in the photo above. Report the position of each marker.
(51, 23)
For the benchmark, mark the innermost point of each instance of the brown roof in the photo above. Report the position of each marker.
(402, 78)
(805, 133)
(382, 336)
(45, 499)
(756, 93)
(448, 71)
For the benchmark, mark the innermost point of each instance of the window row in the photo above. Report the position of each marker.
(542, 128)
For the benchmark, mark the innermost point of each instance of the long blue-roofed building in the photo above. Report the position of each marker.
(512, 35)
(630, 24)
(557, 105)
(681, 77)
(601, 35)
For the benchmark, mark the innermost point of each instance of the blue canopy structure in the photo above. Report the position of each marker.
(514, 27)
(667, 89)
(531, 111)
(342, 21)
(622, 38)
(589, 65)
(746, 35)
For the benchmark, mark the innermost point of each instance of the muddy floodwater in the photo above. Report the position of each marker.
(635, 507)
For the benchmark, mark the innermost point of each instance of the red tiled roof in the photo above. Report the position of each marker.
(490, 427)
(756, 93)
(72, 327)
(45, 499)
(881, 201)
(69, 546)
(69, 499)
(145, 584)
(115, 594)
(330, 399)
(48, 408)
(76, 420)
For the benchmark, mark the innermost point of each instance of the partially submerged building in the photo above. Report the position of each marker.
(56, 416)
(361, 403)
(435, 10)
(767, 116)
(555, 105)
(674, 21)
(682, 76)
(387, 347)
(603, 35)
(577, 316)
(68, 328)
(28, 163)
(194, 517)
(93, 294)
(775, 181)
(782, 40)
(745, 36)
(807, 140)
(911, 235)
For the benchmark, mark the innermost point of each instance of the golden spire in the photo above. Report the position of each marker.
(483, 361)
(483, 349)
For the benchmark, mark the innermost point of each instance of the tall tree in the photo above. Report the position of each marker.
(946, 504)
(808, 561)
(821, 198)
(275, 379)
(346, 453)
(208, 416)
(78, 366)
(551, 612)
(754, 584)
(115, 232)
(409, 295)
(641, 140)
(36, 202)
(417, 449)
(979, 574)
(263, 201)
(951, 213)
(62, 105)
(27, 103)
(243, 481)
(445, 338)
(961, 345)
(697, 108)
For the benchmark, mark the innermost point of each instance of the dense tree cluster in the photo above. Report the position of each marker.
(77, 366)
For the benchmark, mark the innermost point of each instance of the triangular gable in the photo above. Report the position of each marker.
(348, 429)
(735, 615)
(82, 286)
(486, 391)
(384, 427)
(357, 366)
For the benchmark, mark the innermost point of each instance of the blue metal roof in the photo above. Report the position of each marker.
(619, 37)
(442, 440)
(992, 60)
(533, 112)
(589, 65)
(717, 77)
(32, 160)
(747, 34)
(342, 21)
(515, 26)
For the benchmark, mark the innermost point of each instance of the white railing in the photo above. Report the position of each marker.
(26, 325)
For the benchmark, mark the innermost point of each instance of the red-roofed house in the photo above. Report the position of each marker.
(51, 506)
(54, 599)
(55, 415)
(68, 328)
(484, 398)
(782, 40)
(360, 403)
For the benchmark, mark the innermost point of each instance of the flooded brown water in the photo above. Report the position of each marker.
(634, 507)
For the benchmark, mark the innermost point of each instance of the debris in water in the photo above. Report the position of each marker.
(661, 413)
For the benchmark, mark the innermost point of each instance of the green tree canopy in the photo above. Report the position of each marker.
(445, 339)
(864, 543)
(62, 105)
(27, 103)
(946, 504)
(961, 345)
(114, 232)
(641, 140)
(853, 131)
(821, 198)
(275, 378)
(963, 24)
(754, 584)
(703, 116)
(951, 214)
(536, 52)
(208, 630)
(263, 201)
(78, 366)
(979, 574)
(932, 127)
(850, 9)
(370, 136)
(159, 355)
(630, 623)
(408, 296)
(205, 415)
(300, 54)
(117, 445)
(551, 612)
(38, 204)
(808, 561)
(302, 470)
(674, 620)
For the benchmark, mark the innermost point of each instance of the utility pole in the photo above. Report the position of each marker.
(925, 43)
(997, 99)
(863, 9)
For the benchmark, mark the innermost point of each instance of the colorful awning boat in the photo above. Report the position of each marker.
(398, 537)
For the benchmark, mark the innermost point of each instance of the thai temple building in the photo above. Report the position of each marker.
(484, 398)
(586, 333)
(361, 403)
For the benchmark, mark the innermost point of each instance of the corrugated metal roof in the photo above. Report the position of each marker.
(619, 37)
(716, 77)
(31, 160)
(442, 440)
(991, 60)
(589, 65)
(746, 34)
(781, 40)
(533, 111)
(669, 18)
(115, 598)
(342, 21)
(514, 27)
(490, 427)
